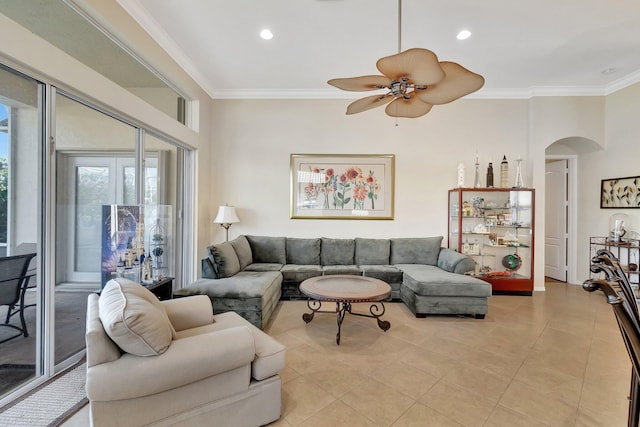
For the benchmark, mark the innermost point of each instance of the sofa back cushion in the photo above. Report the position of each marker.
(268, 249)
(420, 250)
(372, 251)
(134, 318)
(303, 251)
(337, 251)
(243, 251)
(225, 260)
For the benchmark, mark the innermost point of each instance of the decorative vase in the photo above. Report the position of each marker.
(490, 176)
(460, 175)
(518, 183)
(504, 173)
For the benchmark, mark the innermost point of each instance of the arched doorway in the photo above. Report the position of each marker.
(561, 195)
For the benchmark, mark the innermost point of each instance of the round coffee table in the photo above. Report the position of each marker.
(345, 290)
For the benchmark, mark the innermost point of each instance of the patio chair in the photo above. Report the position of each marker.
(14, 280)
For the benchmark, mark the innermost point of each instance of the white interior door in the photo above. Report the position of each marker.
(556, 217)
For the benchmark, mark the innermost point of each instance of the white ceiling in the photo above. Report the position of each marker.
(521, 47)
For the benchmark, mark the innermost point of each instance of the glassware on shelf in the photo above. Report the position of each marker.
(518, 183)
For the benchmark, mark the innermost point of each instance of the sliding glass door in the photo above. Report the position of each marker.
(21, 291)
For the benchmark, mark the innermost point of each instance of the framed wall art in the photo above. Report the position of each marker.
(620, 193)
(342, 186)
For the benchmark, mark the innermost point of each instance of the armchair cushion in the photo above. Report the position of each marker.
(189, 359)
(134, 318)
(187, 313)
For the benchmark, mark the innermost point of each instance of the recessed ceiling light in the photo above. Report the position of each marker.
(463, 35)
(266, 34)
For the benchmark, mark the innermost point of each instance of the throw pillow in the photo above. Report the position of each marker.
(226, 260)
(243, 251)
(134, 318)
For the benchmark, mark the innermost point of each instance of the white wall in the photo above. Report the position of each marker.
(254, 138)
(619, 158)
(559, 119)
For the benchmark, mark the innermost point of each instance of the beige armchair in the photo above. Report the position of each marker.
(194, 369)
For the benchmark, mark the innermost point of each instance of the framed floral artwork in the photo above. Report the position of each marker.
(620, 193)
(342, 186)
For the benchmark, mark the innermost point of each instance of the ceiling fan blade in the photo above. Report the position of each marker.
(409, 108)
(361, 83)
(420, 66)
(368, 103)
(458, 82)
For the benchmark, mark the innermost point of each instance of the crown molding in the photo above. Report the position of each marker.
(140, 14)
(623, 82)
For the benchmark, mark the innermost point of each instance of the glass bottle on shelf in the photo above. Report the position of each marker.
(158, 243)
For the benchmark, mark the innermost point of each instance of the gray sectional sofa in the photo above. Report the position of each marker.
(250, 274)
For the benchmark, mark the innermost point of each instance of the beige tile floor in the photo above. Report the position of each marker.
(553, 359)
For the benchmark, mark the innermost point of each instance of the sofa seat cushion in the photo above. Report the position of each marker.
(341, 269)
(420, 250)
(372, 251)
(303, 251)
(429, 280)
(299, 273)
(263, 266)
(134, 318)
(386, 273)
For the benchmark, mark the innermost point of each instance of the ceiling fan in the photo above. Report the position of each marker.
(415, 81)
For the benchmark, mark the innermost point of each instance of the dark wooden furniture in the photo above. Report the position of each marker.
(345, 290)
(162, 288)
(623, 300)
(496, 227)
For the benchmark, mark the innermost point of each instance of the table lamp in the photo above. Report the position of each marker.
(226, 216)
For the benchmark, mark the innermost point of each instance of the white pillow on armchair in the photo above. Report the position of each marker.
(134, 318)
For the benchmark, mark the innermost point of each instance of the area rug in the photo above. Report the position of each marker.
(51, 404)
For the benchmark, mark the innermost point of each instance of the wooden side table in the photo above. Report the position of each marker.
(163, 288)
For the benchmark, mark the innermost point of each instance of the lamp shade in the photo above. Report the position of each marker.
(226, 215)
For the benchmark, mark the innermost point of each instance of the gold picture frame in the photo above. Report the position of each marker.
(342, 186)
